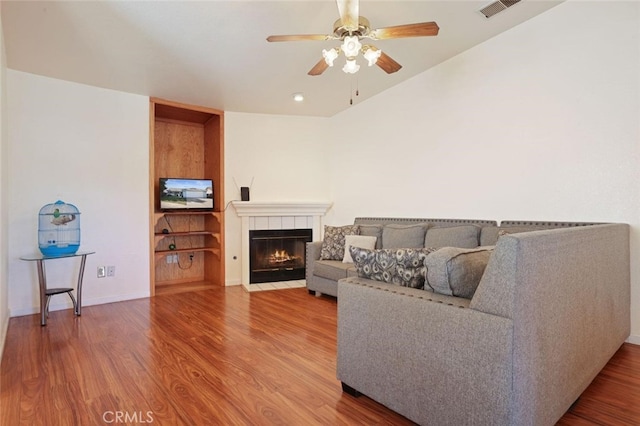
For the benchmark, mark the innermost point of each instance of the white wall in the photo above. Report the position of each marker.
(539, 123)
(89, 147)
(285, 157)
(4, 143)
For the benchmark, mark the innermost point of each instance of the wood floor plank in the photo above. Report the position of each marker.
(219, 356)
(613, 398)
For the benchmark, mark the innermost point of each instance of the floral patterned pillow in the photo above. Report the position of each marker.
(334, 240)
(402, 266)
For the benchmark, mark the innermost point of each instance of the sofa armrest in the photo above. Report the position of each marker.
(434, 361)
(312, 254)
(568, 293)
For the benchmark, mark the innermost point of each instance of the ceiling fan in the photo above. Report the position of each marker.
(351, 28)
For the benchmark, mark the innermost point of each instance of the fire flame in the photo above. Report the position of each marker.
(281, 256)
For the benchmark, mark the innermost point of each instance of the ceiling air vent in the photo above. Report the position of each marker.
(496, 7)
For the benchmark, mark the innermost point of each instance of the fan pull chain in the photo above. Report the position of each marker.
(351, 92)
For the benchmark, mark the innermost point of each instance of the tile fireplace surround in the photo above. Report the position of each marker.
(257, 215)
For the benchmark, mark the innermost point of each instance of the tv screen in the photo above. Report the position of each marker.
(186, 194)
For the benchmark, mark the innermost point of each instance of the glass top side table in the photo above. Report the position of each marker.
(46, 293)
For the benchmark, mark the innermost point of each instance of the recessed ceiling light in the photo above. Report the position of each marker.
(298, 97)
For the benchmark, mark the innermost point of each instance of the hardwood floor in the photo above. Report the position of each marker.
(220, 356)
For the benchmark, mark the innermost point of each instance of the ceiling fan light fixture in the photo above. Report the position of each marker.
(351, 46)
(351, 66)
(371, 55)
(329, 56)
(350, 28)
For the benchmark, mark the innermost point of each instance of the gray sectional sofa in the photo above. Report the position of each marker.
(322, 275)
(551, 308)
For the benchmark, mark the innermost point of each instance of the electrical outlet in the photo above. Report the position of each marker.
(169, 258)
(111, 271)
(102, 272)
(175, 258)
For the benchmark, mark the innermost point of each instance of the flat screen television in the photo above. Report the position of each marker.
(186, 194)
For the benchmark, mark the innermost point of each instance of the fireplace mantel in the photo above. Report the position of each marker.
(257, 215)
(259, 208)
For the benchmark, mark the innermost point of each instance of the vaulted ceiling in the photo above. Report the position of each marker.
(215, 53)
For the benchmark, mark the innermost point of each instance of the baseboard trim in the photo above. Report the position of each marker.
(85, 302)
(634, 339)
(3, 335)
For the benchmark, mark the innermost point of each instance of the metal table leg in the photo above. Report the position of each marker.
(44, 299)
(46, 293)
(79, 288)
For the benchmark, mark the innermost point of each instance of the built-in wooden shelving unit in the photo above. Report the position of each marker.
(187, 247)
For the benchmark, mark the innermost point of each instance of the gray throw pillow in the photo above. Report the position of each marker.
(456, 271)
(404, 266)
(466, 236)
(403, 236)
(333, 242)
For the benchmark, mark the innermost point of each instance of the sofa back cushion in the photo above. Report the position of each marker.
(466, 236)
(403, 236)
(454, 271)
(372, 231)
(490, 234)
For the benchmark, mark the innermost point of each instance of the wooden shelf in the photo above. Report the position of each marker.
(160, 235)
(186, 141)
(187, 213)
(161, 253)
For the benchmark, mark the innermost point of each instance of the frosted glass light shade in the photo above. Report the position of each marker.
(351, 46)
(372, 56)
(351, 67)
(329, 56)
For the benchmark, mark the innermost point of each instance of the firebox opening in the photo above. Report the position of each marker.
(278, 255)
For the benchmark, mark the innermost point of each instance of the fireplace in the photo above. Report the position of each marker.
(263, 216)
(278, 254)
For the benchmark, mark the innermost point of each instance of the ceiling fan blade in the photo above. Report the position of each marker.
(319, 68)
(349, 13)
(299, 37)
(387, 63)
(410, 30)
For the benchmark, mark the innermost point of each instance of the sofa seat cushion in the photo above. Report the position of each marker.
(333, 269)
(454, 271)
(425, 294)
(403, 266)
(466, 236)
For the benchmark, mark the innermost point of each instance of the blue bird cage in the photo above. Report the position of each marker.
(59, 229)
